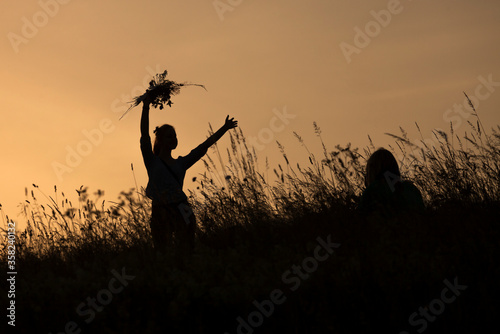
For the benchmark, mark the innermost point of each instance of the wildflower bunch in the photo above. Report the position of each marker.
(160, 92)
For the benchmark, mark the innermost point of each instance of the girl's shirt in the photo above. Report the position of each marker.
(165, 185)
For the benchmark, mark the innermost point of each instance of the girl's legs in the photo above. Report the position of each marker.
(161, 229)
(186, 225)
(173, 225)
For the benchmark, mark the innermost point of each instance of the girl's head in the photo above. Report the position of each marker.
(379, 163)
(166, 138)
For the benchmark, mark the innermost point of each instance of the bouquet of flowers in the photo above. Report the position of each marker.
(159, 92)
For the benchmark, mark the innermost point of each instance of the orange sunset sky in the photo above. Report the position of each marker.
(357, 68)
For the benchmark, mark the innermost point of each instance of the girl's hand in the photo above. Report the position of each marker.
(230, 123)
(146, 100)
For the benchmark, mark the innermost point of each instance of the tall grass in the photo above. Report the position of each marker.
(255, 221)
(465, 170)
(234, 192)
(69, 232)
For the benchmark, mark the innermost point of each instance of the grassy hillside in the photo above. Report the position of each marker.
(287, 253)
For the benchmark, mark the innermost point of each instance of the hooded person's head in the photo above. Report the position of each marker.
(380, 165)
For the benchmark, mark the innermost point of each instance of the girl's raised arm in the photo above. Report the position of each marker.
(145, 118)
(146, 147)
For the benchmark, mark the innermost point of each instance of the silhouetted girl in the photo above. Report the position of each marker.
(385, 191)
(172, 220)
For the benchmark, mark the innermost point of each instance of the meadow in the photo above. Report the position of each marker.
(262, 263)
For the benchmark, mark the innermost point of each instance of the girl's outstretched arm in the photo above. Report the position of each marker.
(202, 149)
(228, 125)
